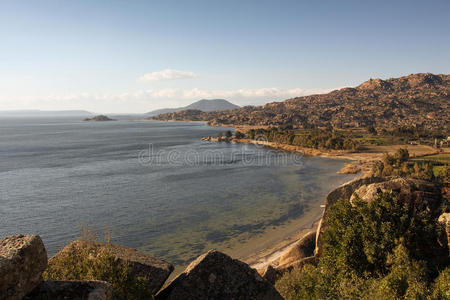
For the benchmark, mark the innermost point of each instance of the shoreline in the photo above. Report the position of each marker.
(272, 250)
(360, 160)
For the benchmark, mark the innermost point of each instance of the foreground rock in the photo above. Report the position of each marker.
(22, 260)
(141, 265)
(99, 118)
(215, 275)
(74, 290)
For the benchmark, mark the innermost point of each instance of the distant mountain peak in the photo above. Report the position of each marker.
(204, 105)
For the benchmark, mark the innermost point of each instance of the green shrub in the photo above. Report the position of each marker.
(94, 261)
(406, 279)
(441, 287)
(385, 249)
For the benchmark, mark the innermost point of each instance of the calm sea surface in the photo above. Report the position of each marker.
(155, 185)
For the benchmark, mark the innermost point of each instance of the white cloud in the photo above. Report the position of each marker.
(270, 94)
(167, 74)
(147, 100)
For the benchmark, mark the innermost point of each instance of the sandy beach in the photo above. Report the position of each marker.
(275, 242)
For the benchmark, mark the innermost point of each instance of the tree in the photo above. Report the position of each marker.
(239, 135)
(402, 155)
(389, 159)
(377, 168)
(251, 134)
(372, 130)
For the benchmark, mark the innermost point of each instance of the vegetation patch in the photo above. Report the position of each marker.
(384, 249)
(88, 260)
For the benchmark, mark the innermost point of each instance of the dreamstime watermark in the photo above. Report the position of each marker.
(246, 156)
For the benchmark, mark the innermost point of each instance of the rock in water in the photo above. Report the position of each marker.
(215, 275)
(73, 290)
(155, 270)
(22, 260)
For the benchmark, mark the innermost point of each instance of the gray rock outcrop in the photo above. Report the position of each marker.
(215, 275)
(423, 195)
(23, 258)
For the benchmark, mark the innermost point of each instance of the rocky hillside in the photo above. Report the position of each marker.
(414, 100)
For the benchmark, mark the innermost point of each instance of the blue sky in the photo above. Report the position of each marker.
(135, 56)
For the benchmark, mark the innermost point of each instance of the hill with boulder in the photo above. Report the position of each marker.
(417, 100)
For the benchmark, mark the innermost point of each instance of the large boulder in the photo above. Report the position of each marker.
(22, 260)
(423, 195)
(346, 191)
(303, 248)
(73, 290)
(215, 275)
(141, 265)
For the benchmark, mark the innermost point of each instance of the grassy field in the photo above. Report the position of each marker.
(437, 160)
(441, 157)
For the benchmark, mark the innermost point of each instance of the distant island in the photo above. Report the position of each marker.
(203, 105)
(99, 118)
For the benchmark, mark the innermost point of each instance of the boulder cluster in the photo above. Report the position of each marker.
(214, 275)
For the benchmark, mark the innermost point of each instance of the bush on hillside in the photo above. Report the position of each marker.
(94, 261)
(385, 249)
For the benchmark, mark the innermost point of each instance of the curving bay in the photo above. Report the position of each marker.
(155, 185)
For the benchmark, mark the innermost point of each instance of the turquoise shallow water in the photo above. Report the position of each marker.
(155, 185)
